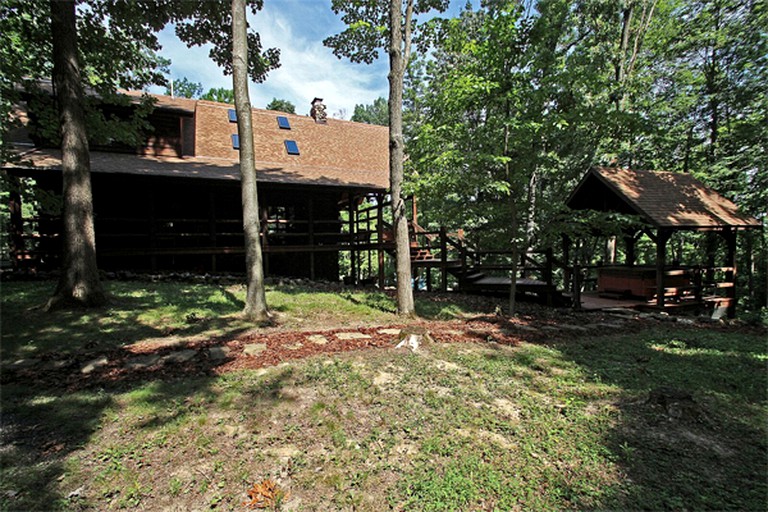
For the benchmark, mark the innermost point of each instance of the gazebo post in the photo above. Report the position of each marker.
(662, 237)
(567, 269)
(630, 240)
(730, 276)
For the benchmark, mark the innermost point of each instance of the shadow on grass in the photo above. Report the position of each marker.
(45, 423)
(710, 453)
(137, 312)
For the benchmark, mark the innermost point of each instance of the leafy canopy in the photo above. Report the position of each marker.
(282, 106)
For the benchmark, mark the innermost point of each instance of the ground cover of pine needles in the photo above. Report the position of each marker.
(563, 422)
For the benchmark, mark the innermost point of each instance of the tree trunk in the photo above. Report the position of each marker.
(255, 299)
(79, 283)
(513, 220)
(531, 226)
(397, 65)
(514, 226)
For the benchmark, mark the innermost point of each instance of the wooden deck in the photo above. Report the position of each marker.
(591, 301)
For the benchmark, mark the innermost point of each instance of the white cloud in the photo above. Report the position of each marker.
(307, 68)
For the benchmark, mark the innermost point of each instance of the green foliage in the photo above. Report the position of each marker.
(184, 88)
(375, 113)
(282, 106)
(514, 104)
(219, 94)
(116, 51)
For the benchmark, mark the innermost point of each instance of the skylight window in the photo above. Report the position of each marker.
(292, 147)
(232, 115)
(283, 123)
(235, 141)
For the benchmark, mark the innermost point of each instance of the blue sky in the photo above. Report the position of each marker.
(308, 69)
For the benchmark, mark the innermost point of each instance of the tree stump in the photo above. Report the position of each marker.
(413, 338)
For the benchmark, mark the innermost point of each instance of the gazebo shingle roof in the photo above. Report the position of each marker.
(665, 199)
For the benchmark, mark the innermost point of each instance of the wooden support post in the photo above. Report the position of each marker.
(212, 226)
(264, 227)
(152, 229)
(577, 276)
(730, 276)
(567, 272)
(368, 241)
(576, 287)
(548, 276)
(610, 250)
(697, 288)
(16, 222)
(443, 260)
(630, 240)
(311, 229)
(710, 245)
(352, 251)
(429, 279)
(661, 256)
(380, 236)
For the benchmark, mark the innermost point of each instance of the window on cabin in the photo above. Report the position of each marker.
(232, 115)
(292, 147)
(235, 141)
(283, 123)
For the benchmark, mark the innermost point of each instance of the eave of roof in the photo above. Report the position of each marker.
(202, 168)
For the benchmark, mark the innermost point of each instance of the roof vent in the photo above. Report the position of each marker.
(318, 111)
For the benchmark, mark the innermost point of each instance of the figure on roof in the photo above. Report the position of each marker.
(318, 112)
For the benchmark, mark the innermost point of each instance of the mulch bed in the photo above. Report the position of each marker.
(535, 324)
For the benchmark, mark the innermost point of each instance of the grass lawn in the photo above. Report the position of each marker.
(544, 423)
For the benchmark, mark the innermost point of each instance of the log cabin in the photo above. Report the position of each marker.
(173, 203)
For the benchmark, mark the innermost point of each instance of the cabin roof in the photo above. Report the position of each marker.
(664, 199)
(334, 153)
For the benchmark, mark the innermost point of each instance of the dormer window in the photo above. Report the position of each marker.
(292, 147)
(235, 141)
(232, 113)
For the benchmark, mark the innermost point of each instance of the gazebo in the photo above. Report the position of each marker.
(666, 202)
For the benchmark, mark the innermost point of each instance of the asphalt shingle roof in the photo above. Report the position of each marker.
(665, 199)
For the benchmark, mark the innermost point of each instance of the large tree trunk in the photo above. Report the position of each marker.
(79, 283)
(397, 65)
(255, 299)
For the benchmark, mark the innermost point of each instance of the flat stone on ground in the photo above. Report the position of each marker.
(94, 364)
(141, 362)
(254, 349)
(519, 327)
(219, 353)
(284, 452)
(23, 363)
(57, 364)
(352, 336)
(573, 328)
(317, 339)
(391, 332)
(293, 346)
(605, 325)
(182, 356)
